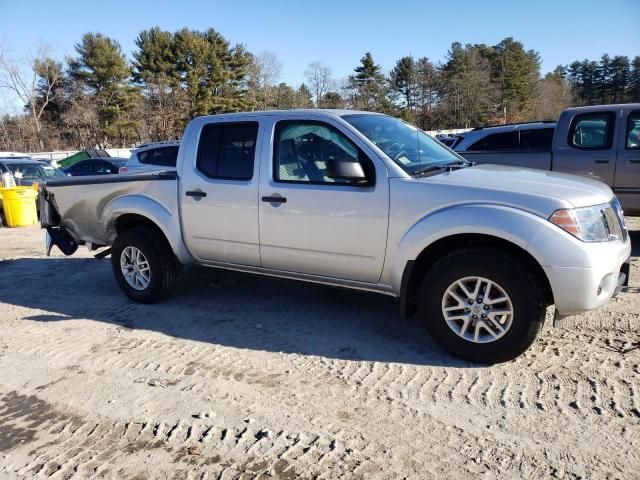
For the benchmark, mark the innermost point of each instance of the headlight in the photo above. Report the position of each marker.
(590, 224)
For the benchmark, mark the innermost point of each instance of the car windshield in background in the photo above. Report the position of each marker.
(34, 171)
(409, 147)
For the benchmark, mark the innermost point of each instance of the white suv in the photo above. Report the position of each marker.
(152, 156)
(518, 136)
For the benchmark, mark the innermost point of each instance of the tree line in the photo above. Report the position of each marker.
(100, 98)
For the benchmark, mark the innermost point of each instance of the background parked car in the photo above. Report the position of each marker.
(152, 156)
(96, 166)
(528, 136)
(26, 170)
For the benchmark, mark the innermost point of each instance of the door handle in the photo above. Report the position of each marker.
(601, 160)
(634, 160)
(195, 193)
(274, 199)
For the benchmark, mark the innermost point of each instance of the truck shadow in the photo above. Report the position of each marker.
(635, 242)
(228, 308)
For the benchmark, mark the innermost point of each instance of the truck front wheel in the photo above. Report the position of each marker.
(482, 304)
(143, 264)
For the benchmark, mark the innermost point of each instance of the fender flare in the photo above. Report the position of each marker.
(152, 210)
(506, 223)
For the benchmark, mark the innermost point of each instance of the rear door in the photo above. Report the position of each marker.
(627, 180)
(219, 194)
(588, 149)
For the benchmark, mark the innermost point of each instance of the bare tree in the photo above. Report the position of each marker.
(33, 80)
(320, 80)
(264, 72)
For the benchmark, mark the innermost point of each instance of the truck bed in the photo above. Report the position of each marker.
(81, 206)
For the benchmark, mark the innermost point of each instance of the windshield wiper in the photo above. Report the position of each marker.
(430, 168)
(442, 166)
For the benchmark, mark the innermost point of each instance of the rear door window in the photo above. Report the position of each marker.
(496, 142)
(162, 156)
(166, 156)
(227, 150)
(592, 131)
(536, 139)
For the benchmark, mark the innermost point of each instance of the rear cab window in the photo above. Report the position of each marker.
(227, 150)
(592, 131)
(536, 139)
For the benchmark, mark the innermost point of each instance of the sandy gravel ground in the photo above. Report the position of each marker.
(242, 377)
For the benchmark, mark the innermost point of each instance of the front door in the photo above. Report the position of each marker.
(317, 225)
(219, 195)
(588, 149)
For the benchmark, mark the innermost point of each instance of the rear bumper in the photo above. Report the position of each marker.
(578, 289)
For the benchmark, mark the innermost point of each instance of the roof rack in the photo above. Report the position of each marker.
(165, 142)
(515, 123)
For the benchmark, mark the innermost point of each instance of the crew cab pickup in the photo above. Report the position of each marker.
(359, 200)
(601, 142)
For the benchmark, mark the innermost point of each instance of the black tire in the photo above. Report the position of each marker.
(162, 264)
(512, 275)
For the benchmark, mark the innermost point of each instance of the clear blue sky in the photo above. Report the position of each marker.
(339, 32)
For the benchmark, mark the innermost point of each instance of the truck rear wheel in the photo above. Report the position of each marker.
(144, 265)
(482, 305)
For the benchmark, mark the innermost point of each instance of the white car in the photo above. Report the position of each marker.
(152, 156)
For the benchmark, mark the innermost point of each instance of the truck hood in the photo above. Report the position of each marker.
(562, 189)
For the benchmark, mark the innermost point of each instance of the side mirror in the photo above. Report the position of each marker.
(346, 171)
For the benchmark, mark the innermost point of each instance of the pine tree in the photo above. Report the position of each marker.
(620, 71)
(154, 69)
(428, 83)
(369, 85)
(304, 98)
(633, 90)
(516, 73)
(103, 74)
(467, 92)
(403, 79)
(332, 100)
(210, 72)
(603, 79)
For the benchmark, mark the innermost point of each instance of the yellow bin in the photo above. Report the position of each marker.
(19, 205)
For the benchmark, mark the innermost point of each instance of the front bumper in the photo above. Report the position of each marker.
(578, 289)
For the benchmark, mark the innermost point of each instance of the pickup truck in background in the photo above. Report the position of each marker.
(601, 142)
(358, 200)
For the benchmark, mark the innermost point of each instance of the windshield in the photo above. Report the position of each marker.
(33, 171)
(406, 145)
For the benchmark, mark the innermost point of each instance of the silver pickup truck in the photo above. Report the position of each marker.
(358, 200)
(601, 142)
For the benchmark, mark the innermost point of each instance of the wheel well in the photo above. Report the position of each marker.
(417, 269)
(132, 220)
